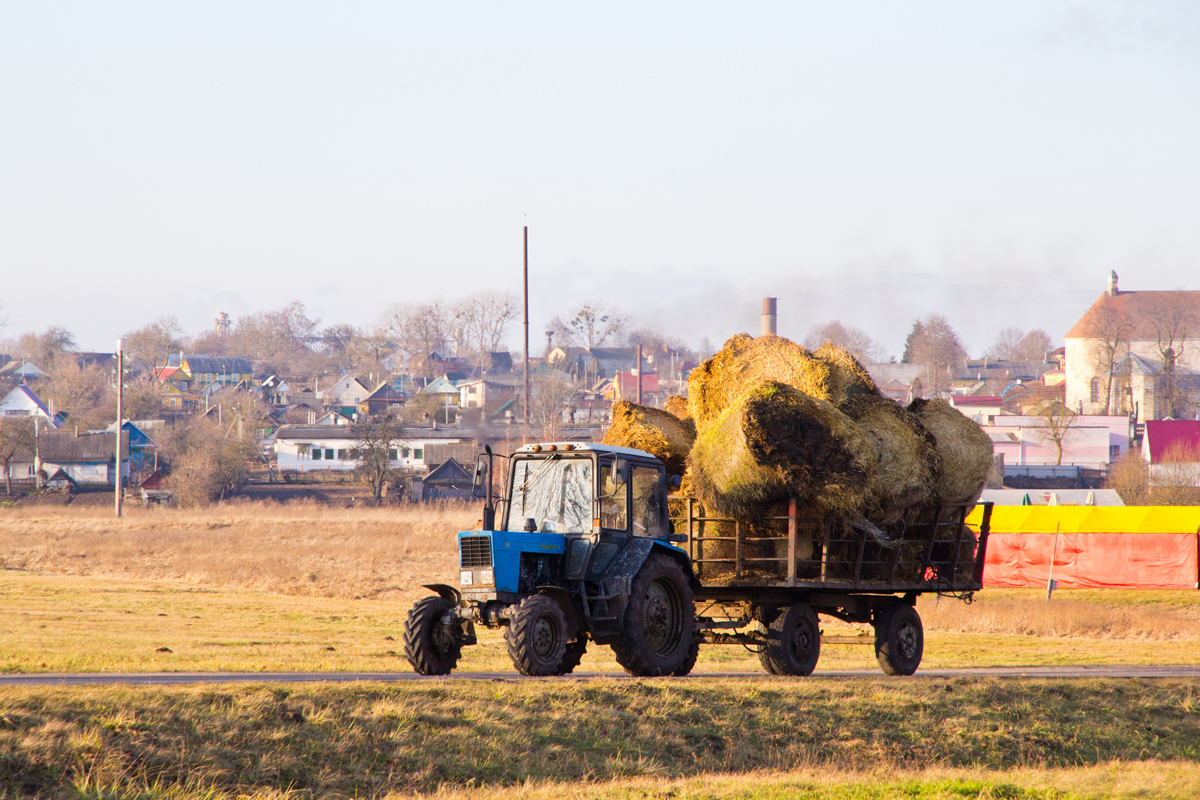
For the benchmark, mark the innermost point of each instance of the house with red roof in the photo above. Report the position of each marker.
(1136, 353)
(1172, 449)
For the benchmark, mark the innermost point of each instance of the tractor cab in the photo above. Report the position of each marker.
(565, 512)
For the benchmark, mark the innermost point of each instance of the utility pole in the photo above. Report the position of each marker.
(639, 374)
(525, 282)
(120, 421)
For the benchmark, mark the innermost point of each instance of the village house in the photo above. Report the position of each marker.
(1089, 441)
(1136, 353)
(1171, 448)
(300, 449)
(346, 394)
(87, 459)
(21, 401)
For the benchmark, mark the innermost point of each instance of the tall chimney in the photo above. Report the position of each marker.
(768, 315)
(1112, 283)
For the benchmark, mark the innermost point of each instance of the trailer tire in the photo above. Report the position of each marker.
(660, 621)
(793, 642)
(899, 639)
(430, 645)
(573, 655)
(537, 636)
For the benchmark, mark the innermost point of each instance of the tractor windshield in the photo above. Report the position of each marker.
(554, 492)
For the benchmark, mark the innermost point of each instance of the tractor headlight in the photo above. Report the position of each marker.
(487, 576)
(464, 577)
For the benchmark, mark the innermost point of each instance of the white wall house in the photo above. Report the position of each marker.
(1092, 441)
(22, 401)
(330, 449)
(1145, 322)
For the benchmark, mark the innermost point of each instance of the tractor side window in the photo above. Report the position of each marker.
(649, 502)
(613, 503)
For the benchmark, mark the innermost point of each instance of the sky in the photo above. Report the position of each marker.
(869, 162)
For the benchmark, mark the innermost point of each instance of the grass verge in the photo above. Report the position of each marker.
(371, 740)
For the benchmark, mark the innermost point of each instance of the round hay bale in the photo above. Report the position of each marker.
(847, 377)
(745, 361)
(677, 405)
(778, 441)
(658, 432)
(906, 458)
(964, 450)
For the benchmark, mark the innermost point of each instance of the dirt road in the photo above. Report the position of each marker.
(169, 678)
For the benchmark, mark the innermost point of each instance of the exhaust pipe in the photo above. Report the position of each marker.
(768, 315)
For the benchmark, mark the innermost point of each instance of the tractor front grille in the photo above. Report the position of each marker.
(475, 551)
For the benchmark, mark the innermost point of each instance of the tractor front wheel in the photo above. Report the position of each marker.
(432, 643)
(537, 636)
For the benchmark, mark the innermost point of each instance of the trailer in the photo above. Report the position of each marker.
(586, 544)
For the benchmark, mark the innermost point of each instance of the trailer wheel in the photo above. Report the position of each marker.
(430, 645)
(793, 642)
(899, 639)
(660, 621)
(573, 655)
(537, 636)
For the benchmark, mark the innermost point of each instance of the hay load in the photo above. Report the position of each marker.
(777, 441)
(677, 405)
(906, 466)
(654, 430)
(964, 450)
(848, 378)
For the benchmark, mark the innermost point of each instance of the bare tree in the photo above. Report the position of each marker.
(1173, 317)
(853, 340)
(484, 317)
(337, 340)
(16, 440)
(1007, 343)
(592, 325)
(370, 352)
(1034, 346)
(549, 397)
(1110, 329)
(208, 461)
(1055, 425)
(935, 344)
(420, 330)
(376, 442)
(85, 394)
(154, 343)
(47, 348)
(1130, 477)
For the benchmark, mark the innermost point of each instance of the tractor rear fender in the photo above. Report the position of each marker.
(619, 575)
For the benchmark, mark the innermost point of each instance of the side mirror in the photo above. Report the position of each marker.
(675, 481)
(620, 471)
(480, 484)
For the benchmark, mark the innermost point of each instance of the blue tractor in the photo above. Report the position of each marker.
(581, 548)
(583, 551)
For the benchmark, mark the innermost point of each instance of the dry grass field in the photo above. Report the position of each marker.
(251, 586)
(303, 586)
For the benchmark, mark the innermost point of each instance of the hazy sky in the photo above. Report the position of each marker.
(871, 162)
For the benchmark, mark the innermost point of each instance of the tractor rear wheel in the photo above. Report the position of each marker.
(537, 636)
(660, 621)
(899, 639)
(431, 645)
(793, 642)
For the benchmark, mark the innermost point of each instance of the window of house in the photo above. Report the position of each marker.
(1114, 452)
(342, 455)
(317, 453)
(1095, 390)
(329, 454)
(392, 454)
(404, 452)
(418, 453)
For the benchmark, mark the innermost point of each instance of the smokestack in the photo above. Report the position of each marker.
(768, 315)
(1112, 283)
